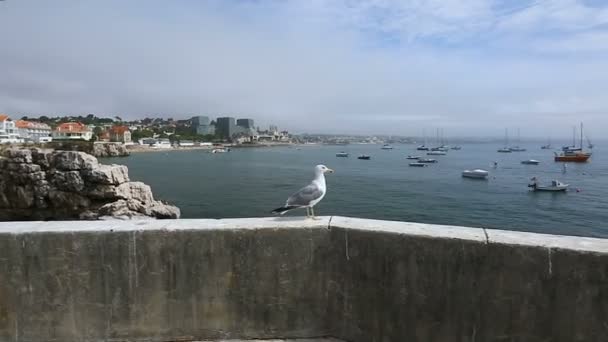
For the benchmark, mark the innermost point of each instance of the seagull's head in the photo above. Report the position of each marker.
(323, 169)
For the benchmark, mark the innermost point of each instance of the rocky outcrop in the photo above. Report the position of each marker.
(109, 150)
(40, 184)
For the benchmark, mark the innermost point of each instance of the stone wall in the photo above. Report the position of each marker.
(41, 184)
(358, 280)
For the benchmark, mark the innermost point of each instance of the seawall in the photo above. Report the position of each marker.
(354, 279)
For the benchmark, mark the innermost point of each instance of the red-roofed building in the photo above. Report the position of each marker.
(33, 131)
(120, 134)
(72, 131)
(8, 131)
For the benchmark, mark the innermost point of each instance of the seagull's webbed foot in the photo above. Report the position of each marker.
(312, 211)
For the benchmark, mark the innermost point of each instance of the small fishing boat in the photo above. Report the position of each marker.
(342, 154)
(555, 186)
(476, 174)
(427, 160)
(436, 153)
(364, 157)
(530, 162)
(412, 157)
(387, 147)
(418, 164)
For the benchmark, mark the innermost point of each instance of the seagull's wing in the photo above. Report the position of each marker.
(305, 195)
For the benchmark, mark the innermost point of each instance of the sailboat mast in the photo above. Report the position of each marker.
(581, 135)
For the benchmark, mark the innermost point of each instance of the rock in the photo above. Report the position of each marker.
(42, 157)
(107, 174)
(23, 167)
(72, 160)
(109, 150)
(17, 155)
(68, 200)
(42, 185)
(68, 181)
(164, 211)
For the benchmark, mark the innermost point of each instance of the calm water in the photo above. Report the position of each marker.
(251, 182)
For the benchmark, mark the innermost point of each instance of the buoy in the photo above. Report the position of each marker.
(578, 190)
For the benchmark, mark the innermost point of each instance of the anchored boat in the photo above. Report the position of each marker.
(476, 174)
(530, 162)
(342, 154)
(555, 186)
(364, 157)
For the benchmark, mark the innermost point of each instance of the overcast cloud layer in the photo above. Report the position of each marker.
(372, 66)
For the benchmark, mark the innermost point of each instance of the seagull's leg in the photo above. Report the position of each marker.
(307, 212)
(313, 214)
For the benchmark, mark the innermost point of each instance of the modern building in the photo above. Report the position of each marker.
(120, 134)
(72, 131)
(8, 130)
(33, 131)
(201, 125)
(225, 127)
(245, 123)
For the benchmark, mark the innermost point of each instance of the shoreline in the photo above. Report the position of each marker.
(140, 149)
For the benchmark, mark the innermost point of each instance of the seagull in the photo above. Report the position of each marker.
(309, 195)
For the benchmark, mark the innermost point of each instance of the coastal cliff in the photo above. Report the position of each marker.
(41, 184)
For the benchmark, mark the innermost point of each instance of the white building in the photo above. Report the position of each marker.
(72, 131)
(33, 131)
(8, 130)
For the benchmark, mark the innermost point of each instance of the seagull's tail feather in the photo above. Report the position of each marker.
(283, 210)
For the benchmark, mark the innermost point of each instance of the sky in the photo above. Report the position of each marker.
(470, 67)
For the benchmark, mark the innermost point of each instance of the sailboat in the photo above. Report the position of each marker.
(423, 147)
(547, 146)
(573, 153)
(506, 149)
(517, 148)
(442, 147)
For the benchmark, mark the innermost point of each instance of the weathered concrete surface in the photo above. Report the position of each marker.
(285, 278)
(398, 282)
(209, 279)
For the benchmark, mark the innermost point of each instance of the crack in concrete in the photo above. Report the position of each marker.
(485, 232)
(329, 223)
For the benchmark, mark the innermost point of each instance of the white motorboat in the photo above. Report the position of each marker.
(342, 154)
(422, 148)
(418, 164)
(436, 153)
(220, 150)
(555, 186)
(477, 174)
(505, 150)
(530, 162)
(427, 160)
(387, 147)
(413, 157)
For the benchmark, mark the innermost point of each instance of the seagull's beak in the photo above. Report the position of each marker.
(329, 170)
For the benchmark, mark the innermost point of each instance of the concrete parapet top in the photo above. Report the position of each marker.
(490, 236)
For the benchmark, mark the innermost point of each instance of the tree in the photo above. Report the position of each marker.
(25, 118)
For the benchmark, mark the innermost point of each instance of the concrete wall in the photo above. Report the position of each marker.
(359, 280)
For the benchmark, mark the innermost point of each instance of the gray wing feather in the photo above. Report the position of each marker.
(305, 195)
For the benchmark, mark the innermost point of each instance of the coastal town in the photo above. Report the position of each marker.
(150, 134)
(157, 133)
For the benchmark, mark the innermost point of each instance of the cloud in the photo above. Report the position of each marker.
(318, 66)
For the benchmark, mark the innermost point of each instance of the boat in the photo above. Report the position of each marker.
(547, 146)
(412, 157)
(573, 153)
(418, 164)
(505, 149)
(423, 147)
(436, 153)
(220, 150)
(530, 162)
(456, 148)
(364, 157)
(387, 147)
(476, 174)
(517, 148)
(441, 148)
(427, 160)
(342, 154)
(555, 186)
